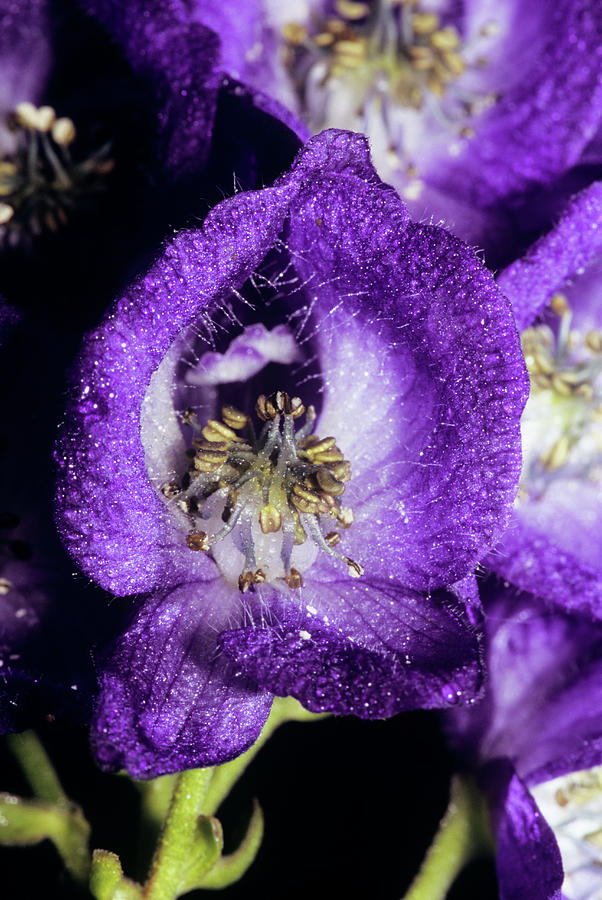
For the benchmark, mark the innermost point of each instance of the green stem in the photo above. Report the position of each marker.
(463, 835)
(177, 838)
(37, 768)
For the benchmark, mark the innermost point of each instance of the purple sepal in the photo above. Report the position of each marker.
(169, 699)
(530, 282)
(528, 859)
(365, 648)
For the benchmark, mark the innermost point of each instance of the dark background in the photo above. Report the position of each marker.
(350, 808)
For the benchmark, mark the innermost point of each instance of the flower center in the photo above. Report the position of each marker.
(40, 184)
(371, 63)
(572, 805)
(562, 422)
(266, 501)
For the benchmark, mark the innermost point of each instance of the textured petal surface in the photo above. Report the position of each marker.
(553, 547)
(449, 350)
(169, 699)
(561, 255)
(542, 706)
(528, 859)
(179, 61)
(358, 647)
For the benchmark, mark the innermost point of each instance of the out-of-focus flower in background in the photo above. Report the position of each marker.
(272, 560)
(553, 546)
(117, 124)
(535, 744)
(483, 114)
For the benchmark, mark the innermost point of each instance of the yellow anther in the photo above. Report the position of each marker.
(6, 213)
(26, 115)
(211, 456)
(234, 418)
(210, 445)
(341, 470)
(323, 39)
(355, 570)
(197, 540)
(265, 409)
(560, 385)
(585, 390)
(170, 490)
(294, 33)
(333, 538)
(559, 304)
(595, 838)
(454, 63)
(354, 49)
(5, 586)
(593, 341)
(294, 579)
(270, 519)
(46, 117)
(467, 132)
(424, 23)
(557, 455)
(345, 516)
(352, 11)
(63, 132)
(445, 39)
(313, 446)
(215, 432)
(328, 483)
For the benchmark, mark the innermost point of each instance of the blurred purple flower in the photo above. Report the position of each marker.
(117, 124)
(535, 742)
(479, 113)
(76, 77)
(553, 547)
(397, 338)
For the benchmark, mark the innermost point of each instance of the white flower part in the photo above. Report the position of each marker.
(562, 421)
(246, 355)
(572, 806)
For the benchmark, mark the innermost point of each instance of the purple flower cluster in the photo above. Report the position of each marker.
(303, 417)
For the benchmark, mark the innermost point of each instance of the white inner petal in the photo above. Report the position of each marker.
(572, 806)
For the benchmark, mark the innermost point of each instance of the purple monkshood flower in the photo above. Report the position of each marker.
(117, 124)
(553, 546)
(120, 118)
(535, 743)
(291, 435)
(479, 113)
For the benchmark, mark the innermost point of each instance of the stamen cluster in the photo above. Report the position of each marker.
(40, 184)
(284, 481)
(564, 367)
(395, 55)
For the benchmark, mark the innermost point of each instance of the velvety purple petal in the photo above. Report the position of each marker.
(452, 336)
(169, 699)
(528, 859)
(364, 647)
(179, 61)
(112, 519)
(541, 709)
(545, 120)
(449, 372)
(562, 254)
(551, 561)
